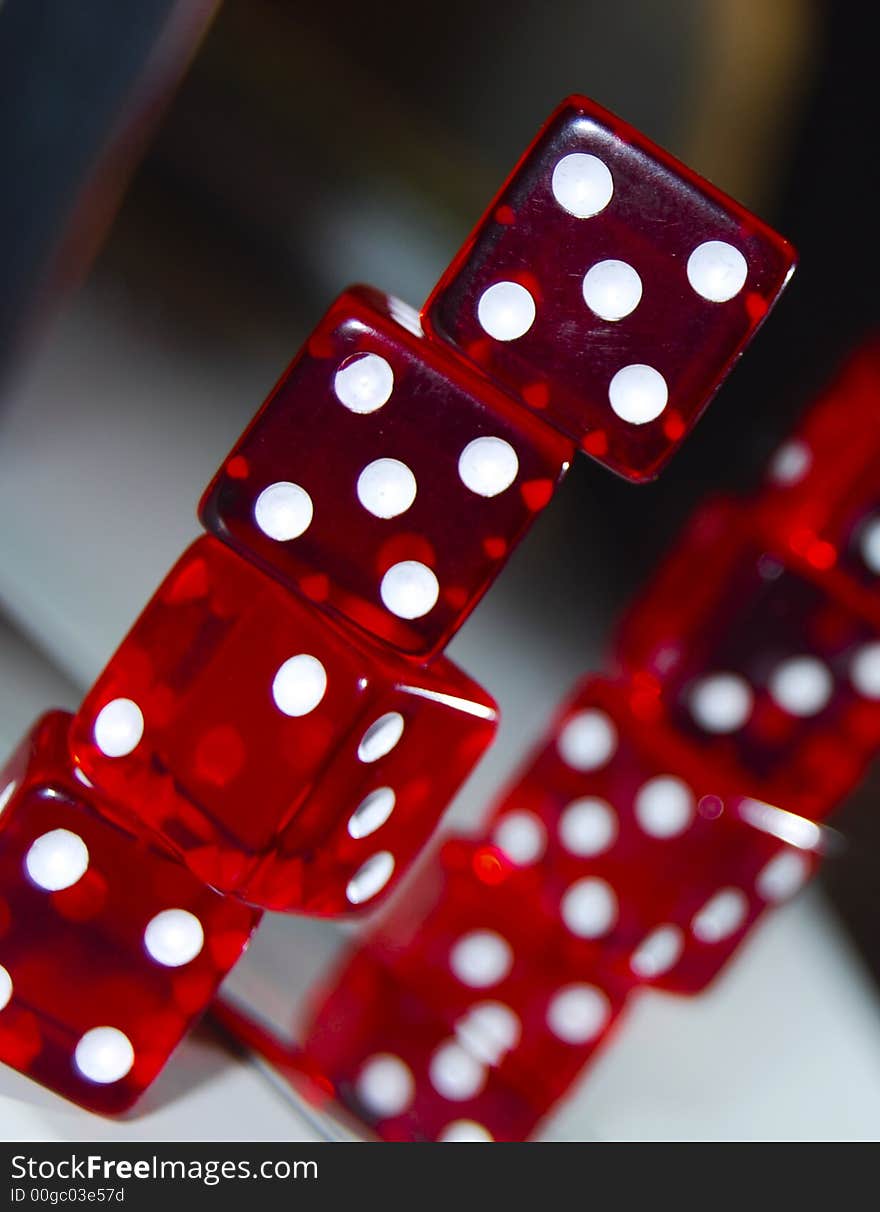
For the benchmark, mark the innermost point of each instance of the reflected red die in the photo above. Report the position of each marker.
(749, 859)
(821, 502)
(384, 480)
(109, 948)
(616, 830)
(539, 1021)
(485, 949)
(458, 1003)
(283, 760)
(610, 288)
(465, 931)
(772, 678)
(397, 1067)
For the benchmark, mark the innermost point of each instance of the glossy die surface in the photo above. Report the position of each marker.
(510, 1026)
(751, 858)
(610, 288)
(486, 949)
(615, 829)
(110, 949)
(399, 1069)
(821, 500)
(382, 479)
(774, 680)
(283, 761)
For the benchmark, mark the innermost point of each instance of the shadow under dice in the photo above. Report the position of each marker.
(284, 762)
(616, 831)
(109, 948)
(384, 480)
(772, 678)
(610, 288)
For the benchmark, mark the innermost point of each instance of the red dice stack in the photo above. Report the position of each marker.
(669, 806)
(278, 730)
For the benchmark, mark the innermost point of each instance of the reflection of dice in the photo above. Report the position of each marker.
(616, 830)
(398, 1067)
(822, 498)
(608, 864)
(753, 857)
(464, 931)
(283, 761)
(110, 949)
(383, 479)
(463, 997)
(771, 677)
(610, 288)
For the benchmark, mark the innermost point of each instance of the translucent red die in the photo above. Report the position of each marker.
(617, 831)
(821, 501)
(466, 932)
(609, 288)
(384, 480)
(109, 948)
(485, 947)
(398, 1068)
(464, 997)
(768, 675)
(282, 759)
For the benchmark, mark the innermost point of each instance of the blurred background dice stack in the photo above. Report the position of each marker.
(666, 811)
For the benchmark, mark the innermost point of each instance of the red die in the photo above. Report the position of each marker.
(615, 830)
(774, 680)
(384, 480)
(465, 932)
(462, 988)
(109, 948)
(282, 759)
(822, 498)
(752, 857)
(477, 941)
(610, 288)
(400, 1070)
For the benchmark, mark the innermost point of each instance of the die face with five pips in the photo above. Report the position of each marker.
(609, 288)
(383, 480)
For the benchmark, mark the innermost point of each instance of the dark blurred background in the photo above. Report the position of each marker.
(187, 185)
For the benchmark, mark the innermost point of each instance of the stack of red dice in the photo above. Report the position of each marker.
(278, 730)
(667, 809)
